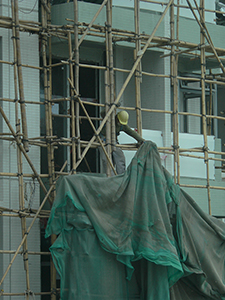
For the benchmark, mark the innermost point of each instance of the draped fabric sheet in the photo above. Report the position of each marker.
(135, 236)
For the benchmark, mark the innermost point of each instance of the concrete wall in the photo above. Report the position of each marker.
(10, 229)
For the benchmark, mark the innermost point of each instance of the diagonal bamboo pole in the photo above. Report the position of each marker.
(29, 229)
(205, 32)
(126, 82)
(92, 125)
(92, 22)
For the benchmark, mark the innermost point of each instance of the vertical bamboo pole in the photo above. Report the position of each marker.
(46, 87)
(49, 98)
(49, 132)
(47, 94)
(108, 122)
(138, 70)
(204, 120)
(111, 72)
(209, 112)
(107, 104)
(20, 77)
(72, 105)
(51, 148)
(76, 57)
(19, 157)
(178, 19)
(174, 85)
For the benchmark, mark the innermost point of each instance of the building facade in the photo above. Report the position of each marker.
(156, 97)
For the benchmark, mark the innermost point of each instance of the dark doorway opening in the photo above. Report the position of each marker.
(88, 85)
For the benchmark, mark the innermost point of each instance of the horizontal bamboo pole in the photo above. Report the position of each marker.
(25, 66)
(23, 294)
(7, 174)
(26, 102)
(13, 215)
(21, 252)
(203, 186)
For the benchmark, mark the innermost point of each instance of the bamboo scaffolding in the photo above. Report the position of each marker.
(142, 42)
(125, 83)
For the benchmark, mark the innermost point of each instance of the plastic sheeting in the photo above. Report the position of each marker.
(135, 236)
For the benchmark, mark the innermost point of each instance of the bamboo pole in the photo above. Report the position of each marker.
(110, 76)
(46, 20)
(209, 109)
(72, 105)
(46, 93)
(178, 20)
(76, 73)
(174, 86)
(22, 65)
(204, 120)
(126, 81)
(107, 104)
(24, 175)
(21, 252)
(138, 74)
(92, 21)
(20, 78)
(19, 154)
(108, 122)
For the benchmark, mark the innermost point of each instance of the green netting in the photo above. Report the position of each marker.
(135, 236)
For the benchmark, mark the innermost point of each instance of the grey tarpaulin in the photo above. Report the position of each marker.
(135, 236)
